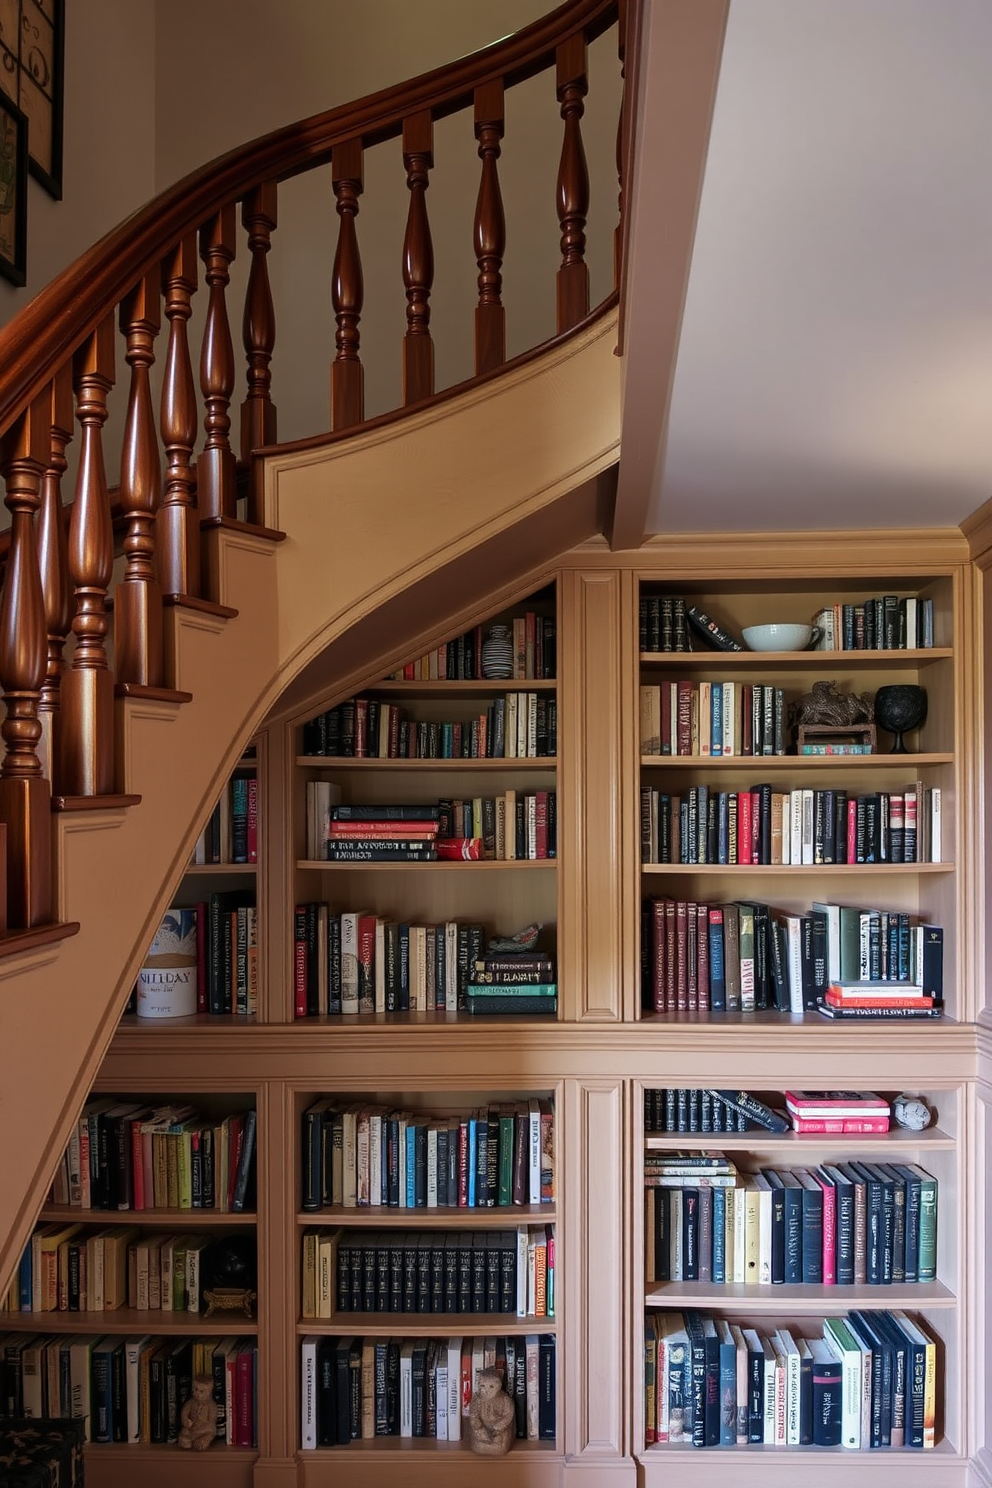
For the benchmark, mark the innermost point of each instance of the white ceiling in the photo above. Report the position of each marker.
(835, 365)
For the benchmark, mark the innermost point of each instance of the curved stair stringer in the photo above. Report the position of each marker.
(477, 489)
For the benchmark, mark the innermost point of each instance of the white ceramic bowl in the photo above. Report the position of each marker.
(777, 637)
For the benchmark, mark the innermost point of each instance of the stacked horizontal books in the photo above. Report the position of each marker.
(380, 833)
(460, 660)
(514, 984)
(510, 826)
(868, 1379)
(793, 828)
(878, 999)
(886, 623)
(367, 1155)
(837, 1111)
(747, 956)
(132, 1389)
(129, 1155)
(519, 725)
(429, 1271)
(712, 719)
(843, 1223)
(358, 1388)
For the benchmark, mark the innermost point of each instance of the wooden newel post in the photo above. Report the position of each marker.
(86, 740)
(258, 412)
(573, 186)
(418, 259)
(53, 560)
(178, 520)
(490, 231)
(347, 289)
(138, 600)
(215, 467)
(25, 793)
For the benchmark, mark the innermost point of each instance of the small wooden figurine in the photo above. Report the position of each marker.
(491, 1418)
(198, 1417)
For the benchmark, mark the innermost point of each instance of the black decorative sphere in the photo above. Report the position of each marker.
(899, 709)
(233, 1262)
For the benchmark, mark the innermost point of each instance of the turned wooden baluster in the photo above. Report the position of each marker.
(347, 289)
(490, 231)
(573, 185)
(86, 738)
(215, 467)
(258, 412)
(25, 793)
(178, 519)
(418, 260)
(621, 142)
(53, 560)
(138, 600)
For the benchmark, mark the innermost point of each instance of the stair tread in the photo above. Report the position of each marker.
(233, 524)
(27, 940)
(154, 694)
(93, 803)
(201, 606)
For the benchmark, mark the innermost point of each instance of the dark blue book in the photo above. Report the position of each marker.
(874, 1221)
(911, 1252)
(719, 1264)
(755, 1386)
(718, 984)
(728, 1385)
(778, 1231)
(885, 1323)
(690, 1234)
(893, 1174)
(805, 1393)
(826, 1394)
(812, 1201)
(865, 1327)
(711, 1397)
(697, 1378)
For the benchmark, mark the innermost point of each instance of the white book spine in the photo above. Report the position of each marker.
(807, 844)
(308, 1395)
(534, 1149)
(796, 826)
(455, 1389)
(406, 1390)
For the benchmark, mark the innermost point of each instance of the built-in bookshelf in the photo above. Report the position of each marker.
(590, 1065)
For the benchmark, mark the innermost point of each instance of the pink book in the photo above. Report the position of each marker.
(852, 832)
(829, 1228)
(744, 827)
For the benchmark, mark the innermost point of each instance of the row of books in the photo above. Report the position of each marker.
(797, 828)
(224, 943)
(883, 623)
(712, 719)
(429, 1271)
(126, 1154)
(868, 1380)
(365, 1155)
(231, 832)
(515, 824)
(667, 623)
(66, 1268)
(358, 1388)
(839, 1224)
(518, 725)
(532, 636)
(129, 1389)
(747, 956)
(358, 962)
(810, 1112)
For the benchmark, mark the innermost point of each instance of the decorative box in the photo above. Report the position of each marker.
(41, 1454)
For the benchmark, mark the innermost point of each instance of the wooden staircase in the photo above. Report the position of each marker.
(128, 704)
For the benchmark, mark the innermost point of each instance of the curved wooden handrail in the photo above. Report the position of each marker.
(38, 340)
(94, 335)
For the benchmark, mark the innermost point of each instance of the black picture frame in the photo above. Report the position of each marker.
(31, 70)
(13, 191)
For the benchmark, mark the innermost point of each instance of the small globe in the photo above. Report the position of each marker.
(899, 709)
(233, 1262)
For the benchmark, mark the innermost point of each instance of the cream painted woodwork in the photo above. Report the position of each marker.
(601, 1053)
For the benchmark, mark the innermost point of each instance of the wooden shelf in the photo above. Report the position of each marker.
(426, 1324)
(818, 1301)
(163, 1219)
(374, 1216)
(765, 1141)
(217, 870)
(126, 1320)
(458, 687)
(800, 660)
(906, 764)
(346, 762)
(483, 865)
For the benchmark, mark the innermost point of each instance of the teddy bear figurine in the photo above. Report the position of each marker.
(491, 1417)
(198, 1417)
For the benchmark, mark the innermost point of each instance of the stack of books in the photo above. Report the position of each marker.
(843, 1112)
(878, 999)
(382, 834)
(513, 983)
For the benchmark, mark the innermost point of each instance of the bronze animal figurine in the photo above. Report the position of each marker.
(828, 707)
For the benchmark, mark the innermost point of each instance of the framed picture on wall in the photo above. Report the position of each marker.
(32, 37)
(13, 191)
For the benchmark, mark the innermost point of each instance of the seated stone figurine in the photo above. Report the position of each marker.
(491, 1416)
(198, 1417)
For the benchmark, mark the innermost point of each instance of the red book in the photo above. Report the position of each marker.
(252, 838)
(829, 1229)
(201, 957)
(755, 826)
(399, 830)
(671, 964)
(691, 959)
(852, 1000)
(463, 1165)
(236, 1136)
(681, 955)
(666, 718)
(300, 962)
(138, 1166)
(366, 963)
(703, 957)
(361, 728)
(683, 720)
(245, 1399)
(747, 733)
(410, 671)
(541, 823)
(847, 1125)
(658, 967)
(744, 830)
